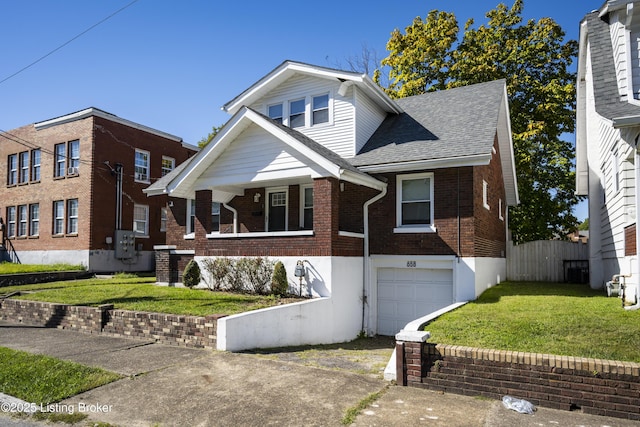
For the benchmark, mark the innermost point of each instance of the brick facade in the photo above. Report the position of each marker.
(94, 186)
(600, 387)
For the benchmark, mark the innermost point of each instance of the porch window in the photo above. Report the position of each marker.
(215, 217)
(414, 207)
(306, 210)
(163, 220)
(191, 216)
(485, 195)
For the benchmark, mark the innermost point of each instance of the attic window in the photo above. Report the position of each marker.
(321, 109)
(296, 113)
(275, 112)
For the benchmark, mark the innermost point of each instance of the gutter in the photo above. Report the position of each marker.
(366, 264)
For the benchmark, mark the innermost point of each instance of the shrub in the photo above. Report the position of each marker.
(218, 270)
(256, 274)
(279, 282)
(191, 275)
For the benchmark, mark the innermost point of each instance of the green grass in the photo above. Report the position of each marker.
(11, 268)
(43, 379)
(139, 294)
(551, 318)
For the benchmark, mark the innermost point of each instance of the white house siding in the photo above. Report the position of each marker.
(335, 315)
(634, 37)
(255, 155)
(338, 134)
(618, 41)
(368, 118)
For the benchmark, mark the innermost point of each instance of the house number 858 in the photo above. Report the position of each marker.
(411, 263)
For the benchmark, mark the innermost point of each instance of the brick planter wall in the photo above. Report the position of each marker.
(187, 331)
(600, 387)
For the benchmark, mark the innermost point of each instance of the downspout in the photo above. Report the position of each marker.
(637, 182)
(235, 217)
(366, 262)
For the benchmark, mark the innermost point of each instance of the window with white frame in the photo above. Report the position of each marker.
(24, 167)
(11, 221)
(296, 113)
(72, 216)
(22, 221)
(275, 112)
(60, 151)
(414, 206)
(35, 165)
(142, 166)
(191, 216)
(12, 169)
(500, 216)
(58, 217)
(215, 217)
(320, 109)
(141, 220)
(74, 157)
(168, 163)
(485, 195)
(34, 219)
(306, 208)
(163, 219)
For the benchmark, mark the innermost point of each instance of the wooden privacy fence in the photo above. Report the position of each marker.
(548, 261)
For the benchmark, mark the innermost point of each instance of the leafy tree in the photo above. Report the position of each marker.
(535, 61)
(584, 225)
(207, 139)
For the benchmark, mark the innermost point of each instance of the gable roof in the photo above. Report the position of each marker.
(181, 181)
(287, 69)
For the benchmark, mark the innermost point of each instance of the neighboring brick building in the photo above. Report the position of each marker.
(397, 208)
(72, 181)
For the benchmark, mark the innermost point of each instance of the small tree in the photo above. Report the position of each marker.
(279, 282)
(191, 275)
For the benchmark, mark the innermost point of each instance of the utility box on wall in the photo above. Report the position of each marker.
(125, 244)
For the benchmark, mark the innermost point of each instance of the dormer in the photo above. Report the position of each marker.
(338, 109)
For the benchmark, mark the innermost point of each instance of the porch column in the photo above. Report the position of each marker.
(202, 224)
(326, 212)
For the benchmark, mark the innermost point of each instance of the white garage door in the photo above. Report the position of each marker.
(405, 294)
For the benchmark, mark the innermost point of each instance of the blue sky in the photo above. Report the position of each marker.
(171, 65)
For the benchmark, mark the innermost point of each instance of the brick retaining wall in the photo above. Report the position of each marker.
(187, 331)
(600, 387)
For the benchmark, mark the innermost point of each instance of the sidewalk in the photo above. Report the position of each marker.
(174, 386)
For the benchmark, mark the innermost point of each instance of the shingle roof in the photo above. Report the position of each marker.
(605, 87)
(160, 185)
(437, 125)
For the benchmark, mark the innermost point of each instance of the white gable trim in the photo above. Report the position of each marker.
(289, 68)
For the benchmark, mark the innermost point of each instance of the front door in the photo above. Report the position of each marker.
(277, 214)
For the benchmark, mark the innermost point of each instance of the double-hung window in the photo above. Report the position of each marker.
(11, 221)
(306, 211)
(296, 113)
(168, 163)
(72, 216)
(34, 219)
(58, 217)
(320, 109)
(74, 157)
(35, 165)
(142, 166)
(275, 112)
(414, 206)
(12, 169)
(163, 219)
(60, 151)
(191, 216)
(141, 220)
(22, 221)
(215, 217)
(24, 167)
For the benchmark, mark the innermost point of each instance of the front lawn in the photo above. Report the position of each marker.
(552, 318)
(43, 379)
(11, 268)
(139, 294)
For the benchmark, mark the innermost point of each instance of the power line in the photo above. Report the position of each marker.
(67, 42)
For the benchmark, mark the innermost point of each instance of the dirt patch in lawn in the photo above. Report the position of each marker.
(367, 356)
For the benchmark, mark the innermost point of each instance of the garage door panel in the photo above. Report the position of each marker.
(405, 294)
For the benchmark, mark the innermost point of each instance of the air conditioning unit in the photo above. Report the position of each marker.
(72, 171)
